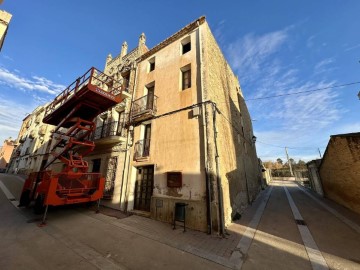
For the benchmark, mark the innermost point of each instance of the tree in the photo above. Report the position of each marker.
(279, 160)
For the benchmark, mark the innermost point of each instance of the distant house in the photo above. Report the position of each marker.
(340, 170)
(5, 153)
(314, 177)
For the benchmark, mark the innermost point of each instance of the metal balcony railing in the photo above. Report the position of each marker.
(142, 149)
(110, 129)
(94, 77)
(145, 104)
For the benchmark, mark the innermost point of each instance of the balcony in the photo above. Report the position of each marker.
(142, 150)
(109, 133)
(143, 108)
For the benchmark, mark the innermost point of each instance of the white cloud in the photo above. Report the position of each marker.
(36, 83)
(301, 121)
(352, 47)
(248, 55)
(310, 41)
(322, 66)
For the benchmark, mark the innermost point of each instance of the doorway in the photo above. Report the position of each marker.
(144, 188)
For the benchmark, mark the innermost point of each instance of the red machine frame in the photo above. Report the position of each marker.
(73, 112)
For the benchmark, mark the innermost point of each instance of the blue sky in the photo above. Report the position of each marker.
(275, 47)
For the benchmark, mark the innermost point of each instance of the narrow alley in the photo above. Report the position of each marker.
(287, 227)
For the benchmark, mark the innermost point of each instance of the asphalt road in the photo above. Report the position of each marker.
(325, 236)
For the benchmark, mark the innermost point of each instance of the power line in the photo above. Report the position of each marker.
(294, 147)
(302, 92)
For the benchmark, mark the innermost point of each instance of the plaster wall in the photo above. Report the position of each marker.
(175, 139)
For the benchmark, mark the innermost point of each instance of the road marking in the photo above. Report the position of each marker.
(244, 244)
(347, 221)
(8, 194)
(316, 259)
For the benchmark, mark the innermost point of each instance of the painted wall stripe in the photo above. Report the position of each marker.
(316, 259)
(246, 240)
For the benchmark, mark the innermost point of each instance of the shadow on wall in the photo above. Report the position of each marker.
(245, 181)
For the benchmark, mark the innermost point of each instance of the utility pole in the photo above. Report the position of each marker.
(287, 156)
(319, 152)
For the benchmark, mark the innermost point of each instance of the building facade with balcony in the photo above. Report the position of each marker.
(111, 134)
(192, 138)
(182, 135)
(32, 145)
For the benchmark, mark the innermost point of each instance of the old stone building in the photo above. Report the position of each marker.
(340, 170)
(192, 134)
(183, 134)
(5, 18)
(111, 135)
(5, 153)
(32, 144)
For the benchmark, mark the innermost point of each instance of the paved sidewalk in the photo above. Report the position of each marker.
(211, 247)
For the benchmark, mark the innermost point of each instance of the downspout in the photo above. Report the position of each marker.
(218, 178)
(204, 126)
(128, 152)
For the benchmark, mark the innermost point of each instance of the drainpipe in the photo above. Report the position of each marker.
(218, 177)
(204, 126)
(128, 152)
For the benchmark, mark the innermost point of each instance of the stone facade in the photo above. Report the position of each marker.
(32, 144)
(5, 153)
(340, 170)
(202, 133)
(5, 18)
(182, 135)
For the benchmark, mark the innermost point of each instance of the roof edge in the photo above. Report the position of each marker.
(191, 26)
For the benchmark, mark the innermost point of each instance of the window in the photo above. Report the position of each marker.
(186, 48)
(186, 77)
(151, 64)
(186, 45)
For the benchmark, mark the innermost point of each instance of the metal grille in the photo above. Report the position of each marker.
(110, 178)
(142, 149)
(143, 105)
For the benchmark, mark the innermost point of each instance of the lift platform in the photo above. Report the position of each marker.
(73, 112)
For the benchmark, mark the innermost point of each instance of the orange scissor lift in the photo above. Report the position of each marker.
(73, 113)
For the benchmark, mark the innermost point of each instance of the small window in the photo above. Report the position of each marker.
(186, 47)
(186, 79)
(151, 64)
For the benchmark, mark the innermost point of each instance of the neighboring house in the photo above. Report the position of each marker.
(314, 177)
(192, 134)
(4, 25)
(111, 135)
(183, 134)
(340, 170)
(32, 144)
(5, 153)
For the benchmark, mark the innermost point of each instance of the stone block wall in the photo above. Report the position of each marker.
(340, 171)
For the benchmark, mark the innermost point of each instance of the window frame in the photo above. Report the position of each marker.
(185, 71)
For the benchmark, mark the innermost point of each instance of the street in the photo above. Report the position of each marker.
(287, 227)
